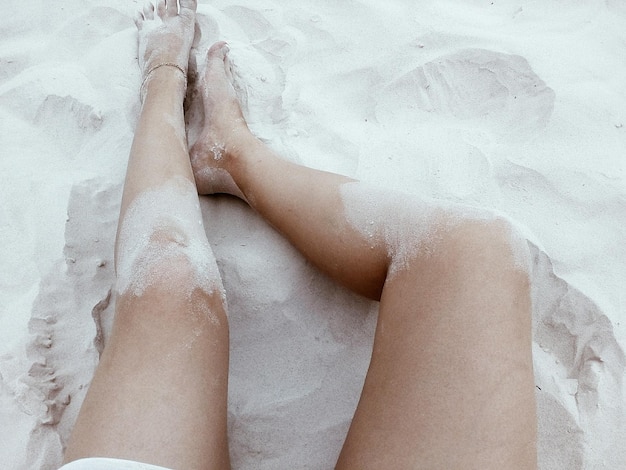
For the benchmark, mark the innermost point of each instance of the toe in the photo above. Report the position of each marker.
(217, 56)
(171, 7)
(148, 11)
(217, 51)
(162, 8)
(188, 8)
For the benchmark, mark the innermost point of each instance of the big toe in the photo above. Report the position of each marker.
(188, 8)
(217, 60)
(217, 51)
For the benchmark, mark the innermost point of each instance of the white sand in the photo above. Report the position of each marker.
(511, 105)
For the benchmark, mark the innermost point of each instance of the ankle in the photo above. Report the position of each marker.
(164, 80)
(239, 147)
(254, 162)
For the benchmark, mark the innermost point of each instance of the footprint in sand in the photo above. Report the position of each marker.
(68, 121)
(84, 33)
(496, 91)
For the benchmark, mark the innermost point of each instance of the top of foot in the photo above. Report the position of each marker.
(224, 128)
(165, 35)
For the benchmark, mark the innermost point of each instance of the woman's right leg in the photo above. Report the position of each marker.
(450, 384)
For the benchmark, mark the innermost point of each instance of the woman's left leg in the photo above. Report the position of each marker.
(159, 394)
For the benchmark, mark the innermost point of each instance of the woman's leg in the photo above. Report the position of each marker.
(159, 393)
(450, 384)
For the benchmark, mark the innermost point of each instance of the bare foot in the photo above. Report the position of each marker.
(165, 38)
(224, 130)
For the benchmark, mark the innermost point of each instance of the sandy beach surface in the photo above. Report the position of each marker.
(513, 105)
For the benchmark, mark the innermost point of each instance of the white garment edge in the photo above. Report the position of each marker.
(99, 463)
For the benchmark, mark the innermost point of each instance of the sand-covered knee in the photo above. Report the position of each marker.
(404, 224)
(162, 242)
(410, 227)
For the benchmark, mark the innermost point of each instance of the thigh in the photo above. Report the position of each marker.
(450, 384)
(159, 393)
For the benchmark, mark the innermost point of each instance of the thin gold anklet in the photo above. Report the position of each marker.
(153, 68)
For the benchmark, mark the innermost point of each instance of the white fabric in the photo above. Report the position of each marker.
(109, 464)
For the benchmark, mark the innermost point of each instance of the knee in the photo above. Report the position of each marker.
(491, 244)
(464, 245)
(169, 285)
(170, 265)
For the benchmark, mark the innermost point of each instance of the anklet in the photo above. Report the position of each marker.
(153, 68)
